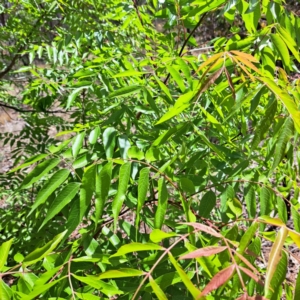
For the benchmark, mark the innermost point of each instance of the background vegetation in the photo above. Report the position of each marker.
(159, 157)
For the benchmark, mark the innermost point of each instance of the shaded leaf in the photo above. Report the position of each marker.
(87, 189)
(102, 187)
(207, 204)
(117, 203)
(143, 185)
(162, 204)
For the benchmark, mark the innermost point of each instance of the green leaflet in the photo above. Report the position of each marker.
(4, 250)
(128, 74)
(187, 185)
(166, 280)
(157, 290)
(62, 199)
(289, 41)
(117, 203)
(124, 145)
(136, 247)
(73, 218)
(206, 6)
(102, 186)
(285, 135)
(29, 162)
(73, 95)
(181, 104)
(162, 204)
(77, 143)
(207, 204)
(94, 134)
(185, 69)
(105, 288)
(264, 125)
(208, 143)
(265, 201)
(250, 202)
(165, 90)
(39, 253)
(177, 77)
(297, 288)
(87, 188)
(125, 91)
(167, 134)
(282, 211)
(279, 276)
(286, 99)
(52, 184)
(157, 235)
(5, 291)
(246, 239)
(39, 171)
(143, 185)
(296, 218)
(121, 273)
(109, 141)
(184, 277)
(135, 152)
(38, 290)
(281, 49)
(148, 98)
(251, 15)
(274, 258)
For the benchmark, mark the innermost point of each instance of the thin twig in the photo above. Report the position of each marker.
(34, 111)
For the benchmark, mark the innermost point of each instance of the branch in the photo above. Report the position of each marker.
(21, 48)
(186, 41)
(34, 111)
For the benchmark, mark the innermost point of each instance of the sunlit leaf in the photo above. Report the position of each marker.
(61, 200)
(52, 184)
(39, 171)
(136, 247)
(157, 290)
(4, 250)
(143, 185)
(275, 256)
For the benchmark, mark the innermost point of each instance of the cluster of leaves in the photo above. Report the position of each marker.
(173, 169)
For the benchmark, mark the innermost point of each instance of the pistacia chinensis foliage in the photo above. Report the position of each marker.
(160, 153)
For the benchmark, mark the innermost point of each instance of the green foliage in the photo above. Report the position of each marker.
(143, 170)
